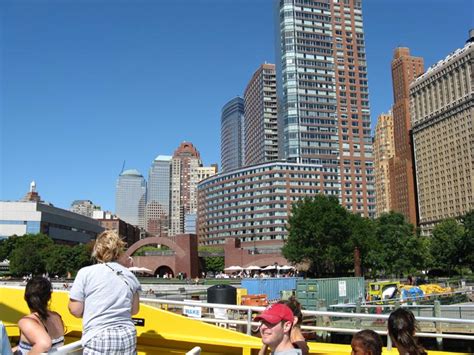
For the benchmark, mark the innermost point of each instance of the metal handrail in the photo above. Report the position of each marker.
(250, 323)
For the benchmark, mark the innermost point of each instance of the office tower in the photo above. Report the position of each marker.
(442, 112)
(130, 197)
(158, 196)
(186, 172)
(405, 69)
(84, 207)
(323, 99)
(383, 151)
(232, 134)
(261, 126)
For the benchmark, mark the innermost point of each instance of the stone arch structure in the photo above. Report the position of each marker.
(185, 258)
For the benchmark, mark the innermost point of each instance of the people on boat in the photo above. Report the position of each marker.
(41, 331)
(105, 295)
(296, 336)
(366, 342)
(276, 322)
(401, 328)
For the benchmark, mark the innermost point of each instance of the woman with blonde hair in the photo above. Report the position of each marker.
(105, 295)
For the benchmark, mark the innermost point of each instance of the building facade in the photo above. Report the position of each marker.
(129, 233)
(84, 207)
(405, 69)
(130, 197)
(442, 111)
(158, 196)
(383, 152)
(261, 114)
(232, 134)
(186, 172)
(323, 99)
(253, 203)
(62, 226)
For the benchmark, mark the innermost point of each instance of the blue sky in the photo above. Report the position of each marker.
(86, 85)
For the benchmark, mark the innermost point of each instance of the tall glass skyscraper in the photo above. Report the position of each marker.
(324, 115)
(232, 134)
(158, 196)
(130, 197)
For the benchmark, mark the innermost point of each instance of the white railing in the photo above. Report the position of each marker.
(249, 323)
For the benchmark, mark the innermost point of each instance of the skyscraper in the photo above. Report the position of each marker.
(186, 172)
(442, 106)
(383, 151)
(232, 134)
(324, 115)
(261, 127)
(130, 197)
(405, 69)
(158, 196)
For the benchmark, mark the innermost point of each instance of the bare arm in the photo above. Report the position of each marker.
(35, 334)
(76, 308)
(135, 303)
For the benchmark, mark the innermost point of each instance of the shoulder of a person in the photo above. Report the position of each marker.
(54, 315)
(28, 321)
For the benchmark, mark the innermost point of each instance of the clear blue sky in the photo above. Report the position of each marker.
(88, 84)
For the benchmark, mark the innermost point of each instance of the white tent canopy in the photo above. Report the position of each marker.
(285, 267)
(253, 267)
(234, 268)
(139, 269)
(269, 267)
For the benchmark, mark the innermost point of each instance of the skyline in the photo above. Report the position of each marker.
(55, 66)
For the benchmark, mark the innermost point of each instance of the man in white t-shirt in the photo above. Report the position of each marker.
(276, 323)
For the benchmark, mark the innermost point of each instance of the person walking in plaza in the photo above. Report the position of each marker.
(105, 295)
(42, 331)
(276, 322)
(401, 328)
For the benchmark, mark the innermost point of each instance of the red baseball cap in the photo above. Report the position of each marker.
(276, 313)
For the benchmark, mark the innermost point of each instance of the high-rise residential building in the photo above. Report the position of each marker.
(442, 113)
(158, 196)
(253, 203)
(261, 126)
(130, 197)
(383, 151)
(84, 207)
(323, 98)
(186, 172)
(405, 69)
(232, 134)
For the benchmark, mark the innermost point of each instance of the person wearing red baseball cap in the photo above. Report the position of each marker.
(276, 322)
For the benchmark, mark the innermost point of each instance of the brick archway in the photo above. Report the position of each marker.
(184, 259)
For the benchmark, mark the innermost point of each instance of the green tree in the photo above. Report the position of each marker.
(446, 243)
(399, 249)
(318, 233)
(213, 259)
(467, 245)
(28, 255)
(363, 238)
(57, 259)
(6, 247)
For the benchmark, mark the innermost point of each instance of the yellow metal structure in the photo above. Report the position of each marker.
(376, 289)
(162, 332)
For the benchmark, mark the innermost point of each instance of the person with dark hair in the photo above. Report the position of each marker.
(366, 342)
(42, 330)
(401, 328)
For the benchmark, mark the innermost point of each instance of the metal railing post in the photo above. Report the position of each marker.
(249, 322)
(437, 314)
